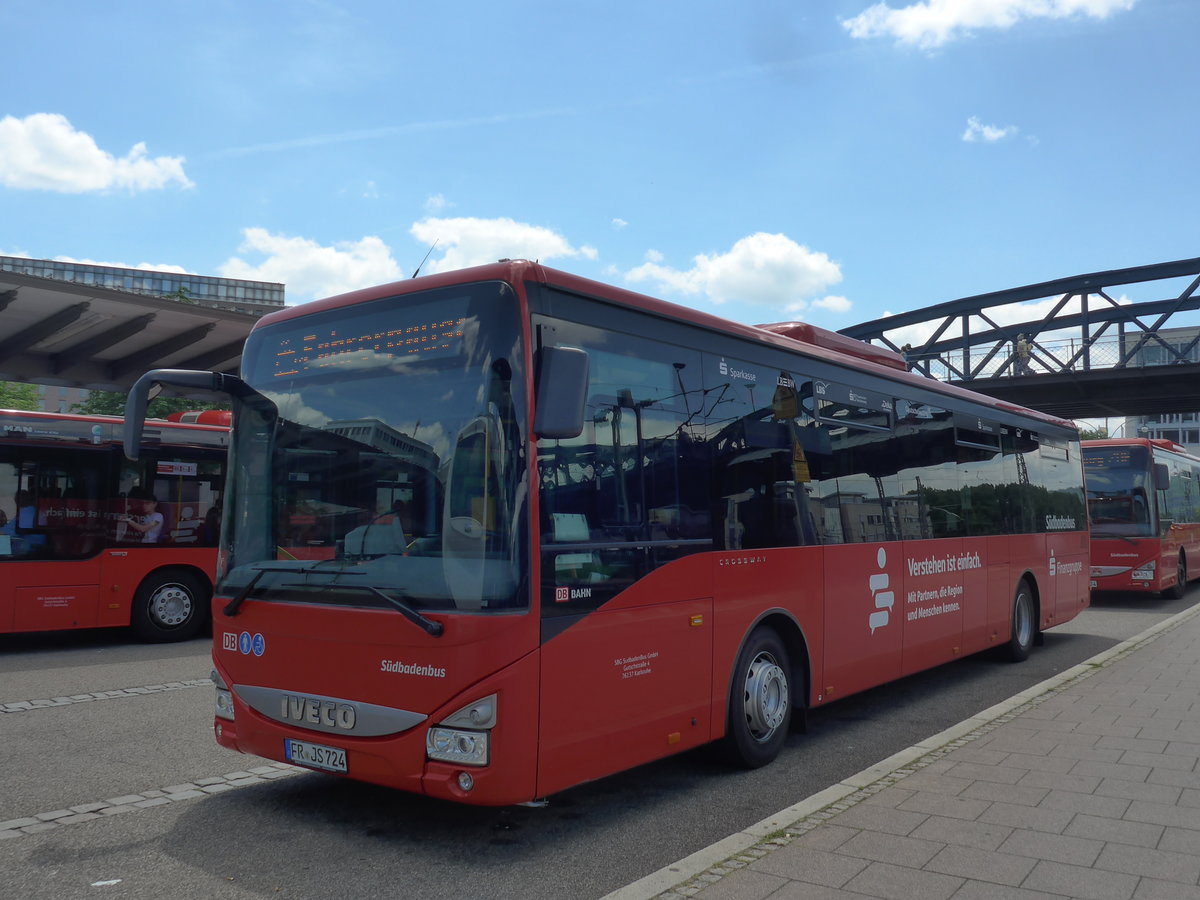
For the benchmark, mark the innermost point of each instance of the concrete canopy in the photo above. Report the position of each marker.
(76, 335)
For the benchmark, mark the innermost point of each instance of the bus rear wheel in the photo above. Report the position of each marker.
(170, 605)
(1024, 623)
(1176, 591)
(760, 702)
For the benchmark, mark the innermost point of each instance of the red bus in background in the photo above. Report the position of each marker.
(493, 533)
(1144, 505)
(89, 539)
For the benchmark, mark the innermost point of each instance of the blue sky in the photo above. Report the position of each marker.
(824, 160)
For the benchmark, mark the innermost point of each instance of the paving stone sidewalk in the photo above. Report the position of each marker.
(1086, 786)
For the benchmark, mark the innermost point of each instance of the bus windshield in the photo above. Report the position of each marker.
(383, 462)
(1119, 491)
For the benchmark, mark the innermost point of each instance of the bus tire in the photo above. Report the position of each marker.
(1024, 623)
(1177, 590)
(170, 605)
(760, 702)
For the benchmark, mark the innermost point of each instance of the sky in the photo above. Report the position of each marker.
(831, 161)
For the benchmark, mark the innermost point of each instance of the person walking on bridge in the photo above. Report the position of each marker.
(1022, 355)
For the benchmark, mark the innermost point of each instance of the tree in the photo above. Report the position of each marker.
(112, 403)
(181, 294)
(15, 395)
(1098, 433)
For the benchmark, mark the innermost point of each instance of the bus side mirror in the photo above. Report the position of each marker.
(561, 392)
(150, 384)
(1162, 477)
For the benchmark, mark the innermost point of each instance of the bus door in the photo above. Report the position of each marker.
(956, 503)
(626, 605)
(856, 490)
(1061, 519)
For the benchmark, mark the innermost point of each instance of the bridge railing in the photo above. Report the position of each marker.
(1049, 356)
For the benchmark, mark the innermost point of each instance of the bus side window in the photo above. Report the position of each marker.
(766, 455)
(56, 510)
(858, 487)
(629, 492)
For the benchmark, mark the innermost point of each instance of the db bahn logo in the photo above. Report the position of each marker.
(243, 643)
(566, 594)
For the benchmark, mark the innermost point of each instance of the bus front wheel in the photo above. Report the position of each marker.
(760, 702)
(1024, 623)
(1177, 590)
(170, 605)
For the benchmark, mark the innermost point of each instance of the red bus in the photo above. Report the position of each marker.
(1144, 505)
(496, 532)
(89, 539)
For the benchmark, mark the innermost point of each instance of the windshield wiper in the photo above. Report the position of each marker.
(428, 625)
(231, 608)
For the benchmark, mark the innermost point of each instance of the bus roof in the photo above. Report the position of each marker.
(40, 416)
(1158, 443)
(798, 337)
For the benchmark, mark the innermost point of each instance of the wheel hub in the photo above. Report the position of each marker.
(171, 605)
(766, 698)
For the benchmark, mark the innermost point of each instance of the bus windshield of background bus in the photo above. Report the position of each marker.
(1119, 491)
(394, 465)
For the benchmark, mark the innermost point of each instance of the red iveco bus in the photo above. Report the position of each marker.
(89, 539)
(493, 533)
(1144, 504)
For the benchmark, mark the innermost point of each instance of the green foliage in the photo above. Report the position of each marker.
(182, 295)
(14, 395)
(1093, 434)
(111, 403)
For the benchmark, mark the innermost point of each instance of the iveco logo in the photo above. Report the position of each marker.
(308, 711)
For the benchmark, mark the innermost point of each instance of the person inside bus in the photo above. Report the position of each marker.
(21, 527)
(211, 529)
(26, 510)
(150, 523)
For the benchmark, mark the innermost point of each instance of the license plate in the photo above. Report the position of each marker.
(315, 756)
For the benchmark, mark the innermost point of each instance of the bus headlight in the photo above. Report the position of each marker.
(465, 748)
(224, 698)
(464, 737)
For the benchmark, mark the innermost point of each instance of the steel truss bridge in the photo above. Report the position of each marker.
(1095, 351)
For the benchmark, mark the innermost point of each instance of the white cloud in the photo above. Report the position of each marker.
(833, 303)
(977, 131)
(309, 269)
(43, 152)
(436, 203)
(619, 223)
(761, 269)
(471, 242)
(148, 267)
(932, 23)
(144, 266)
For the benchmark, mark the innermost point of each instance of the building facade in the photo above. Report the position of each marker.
(253, 297)
(1182, 428)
